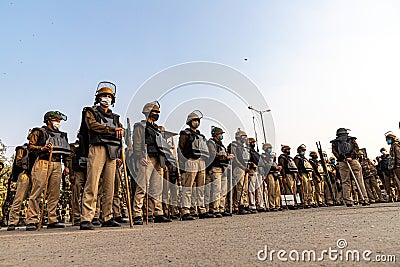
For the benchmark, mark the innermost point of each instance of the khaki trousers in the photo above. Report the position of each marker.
(77, 190)
(346, 180)
(193, 179)
(319, 191)
(99, 165)
(274, 192)
(256, 191)
(290, 187)
(213, 190)
(39, 173)
(152, 175)
(241, 179)
(373, 191)
(23, 185)
(224, 192)
(307, 186)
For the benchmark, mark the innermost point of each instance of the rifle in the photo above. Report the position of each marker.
(327, 176)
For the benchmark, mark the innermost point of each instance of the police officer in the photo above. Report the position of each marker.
(394, 157)
(77, 178)
(345, 149)
(271, 174)
(240, 172)
(104, 132)
(319, 179)
(369, 173)
(336, 182)
(150, 161)
(256, 186)
(22, 168)
(216, 181)
(193, 151)
(384, 172)
(306, 175)
(289, 173)
(41, 141)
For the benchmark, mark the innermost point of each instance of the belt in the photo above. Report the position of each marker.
(52, 160)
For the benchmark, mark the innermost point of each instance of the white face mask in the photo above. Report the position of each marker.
(56, 125)
(105, 101)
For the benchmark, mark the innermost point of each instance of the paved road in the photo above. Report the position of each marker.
(232, 241)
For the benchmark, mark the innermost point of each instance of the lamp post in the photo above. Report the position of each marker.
(261, 112)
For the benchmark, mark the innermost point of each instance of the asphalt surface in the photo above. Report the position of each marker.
(229, 241)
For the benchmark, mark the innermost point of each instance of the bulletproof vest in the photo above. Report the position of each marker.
(221, 152)
(254, 156)
(290, 164)
(242, 154)
(164, 148)
(150, 138)
(109, 140)
(199, 146)
(304, 165)
(344, 145)
(111, 120)
(268, 162)
(59, 141)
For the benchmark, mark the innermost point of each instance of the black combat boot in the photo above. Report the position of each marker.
(110, 223)
(161, 219)
(96, 222)
(138, 220)
(31, 227)
(187, 217)
(55, 225)
(121, 220)
(243, 211)
(86, 226)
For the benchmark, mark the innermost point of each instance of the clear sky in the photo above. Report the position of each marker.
(321, 65)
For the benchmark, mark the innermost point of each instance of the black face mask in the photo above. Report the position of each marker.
(155, 116)
(252, 145)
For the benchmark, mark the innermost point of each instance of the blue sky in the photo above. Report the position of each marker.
(320, 64)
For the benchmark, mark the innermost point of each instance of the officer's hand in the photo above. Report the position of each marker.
(66, 171)
(144, 162)
(119, 162)
(349, 159)
(47, 147)
(230, 156)
(247, 170)
(279, 168)
(119, 133)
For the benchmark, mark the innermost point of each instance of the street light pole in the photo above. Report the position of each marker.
(261, 112)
